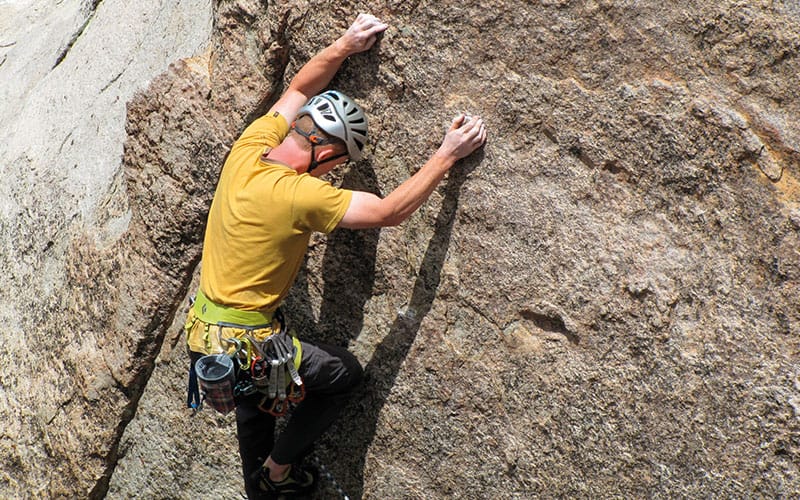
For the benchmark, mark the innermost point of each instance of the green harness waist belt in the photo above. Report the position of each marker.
(216, 314)
(211, 313)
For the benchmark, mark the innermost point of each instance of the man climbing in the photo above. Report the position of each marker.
(268, 202)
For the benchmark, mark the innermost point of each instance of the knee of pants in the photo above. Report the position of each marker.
(356, 372)
(353, 371)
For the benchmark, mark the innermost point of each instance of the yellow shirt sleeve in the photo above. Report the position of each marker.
(269, 130)
(318, 206)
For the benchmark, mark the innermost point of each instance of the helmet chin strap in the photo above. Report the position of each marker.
(315, 140)
(314, 163)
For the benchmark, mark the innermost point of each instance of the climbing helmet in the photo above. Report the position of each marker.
(340, 117)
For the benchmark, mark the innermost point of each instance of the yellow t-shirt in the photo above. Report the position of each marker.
(260, 222)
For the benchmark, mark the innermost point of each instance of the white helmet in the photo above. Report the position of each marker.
(339, 116)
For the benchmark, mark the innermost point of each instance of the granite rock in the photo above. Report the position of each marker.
(600, 303)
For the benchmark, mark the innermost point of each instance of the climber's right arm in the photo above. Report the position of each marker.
(320, 69)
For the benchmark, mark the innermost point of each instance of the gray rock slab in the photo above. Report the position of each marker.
(67, 72)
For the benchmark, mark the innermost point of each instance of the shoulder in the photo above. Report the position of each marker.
(268, 130)
(318, 205)
(275, 122)
(313, 187)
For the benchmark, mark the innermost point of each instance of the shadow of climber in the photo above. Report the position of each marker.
(353, 433)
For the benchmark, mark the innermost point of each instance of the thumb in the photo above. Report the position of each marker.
(458, 121)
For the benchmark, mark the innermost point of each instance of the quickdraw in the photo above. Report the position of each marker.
(274, 364)
(278, 407)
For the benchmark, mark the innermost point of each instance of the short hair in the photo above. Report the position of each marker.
(306, 124)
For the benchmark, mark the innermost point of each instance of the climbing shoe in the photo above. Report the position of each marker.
(299, 481)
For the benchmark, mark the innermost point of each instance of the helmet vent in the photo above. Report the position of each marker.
(340, 117)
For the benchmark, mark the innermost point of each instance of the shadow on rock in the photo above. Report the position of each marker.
(348, 272)
(355, 430)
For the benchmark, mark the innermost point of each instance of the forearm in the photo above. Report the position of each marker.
(317, 73)
(411, 194)
(319, 70)
(368, 210)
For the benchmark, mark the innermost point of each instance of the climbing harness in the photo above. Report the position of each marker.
(268, 366)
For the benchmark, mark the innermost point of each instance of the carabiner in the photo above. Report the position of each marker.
(277, 408)
(258, 372)
(297, 393)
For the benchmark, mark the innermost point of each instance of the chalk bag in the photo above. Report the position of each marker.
(217, 379)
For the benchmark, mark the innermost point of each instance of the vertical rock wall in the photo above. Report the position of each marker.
(75, 341)
(601, 303)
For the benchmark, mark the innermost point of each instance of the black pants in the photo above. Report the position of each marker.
(330, 374)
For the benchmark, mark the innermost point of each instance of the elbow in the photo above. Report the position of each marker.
(368, 211)
(393, 221)
(392, 217)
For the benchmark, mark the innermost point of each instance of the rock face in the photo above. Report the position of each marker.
(603, 302)
(81, 317)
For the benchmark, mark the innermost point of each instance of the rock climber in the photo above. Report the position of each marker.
(268, 201)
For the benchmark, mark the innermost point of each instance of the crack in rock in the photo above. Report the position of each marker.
(63, 55)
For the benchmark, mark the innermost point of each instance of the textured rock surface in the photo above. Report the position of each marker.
(75, 342)
(602, 303)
